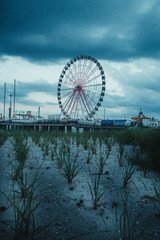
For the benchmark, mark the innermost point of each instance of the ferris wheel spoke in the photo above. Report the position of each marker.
(81, 105)
(91, 91)
(65, 95)
(78, 100)
(76, 108)
(87, 70)
(84, 64)
(73, 102)
(68, 84)
(69, 79)
(89, 104)
(88, 97)
(80, 68)
(69, 106)
(93, 85)
(64, 89)
(85, 105)
(68, 100)
(87, 101)
(73, 75)
(92, 79)
(79, 72)
(75, 70)
(90, 74)
(70, 70)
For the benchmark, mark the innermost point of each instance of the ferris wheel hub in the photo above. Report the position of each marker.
(78, 88)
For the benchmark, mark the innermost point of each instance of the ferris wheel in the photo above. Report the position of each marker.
(81, 87)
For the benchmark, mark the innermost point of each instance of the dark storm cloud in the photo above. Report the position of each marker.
(132, 103)
(108, 29)
(138, 86)
(23, 89)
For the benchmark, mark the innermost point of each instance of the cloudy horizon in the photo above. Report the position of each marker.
(38, 38)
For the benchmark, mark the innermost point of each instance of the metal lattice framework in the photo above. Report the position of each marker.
(81, 87)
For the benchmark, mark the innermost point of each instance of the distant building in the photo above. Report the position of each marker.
(53, 117)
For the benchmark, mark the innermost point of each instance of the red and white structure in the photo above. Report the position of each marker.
(81, 87)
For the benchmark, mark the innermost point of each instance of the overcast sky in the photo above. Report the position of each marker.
(39, 37)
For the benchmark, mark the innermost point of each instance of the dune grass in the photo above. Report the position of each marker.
(71, 168)
(148, 141)
(95, 190)
(21, 150)
(3, 136)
